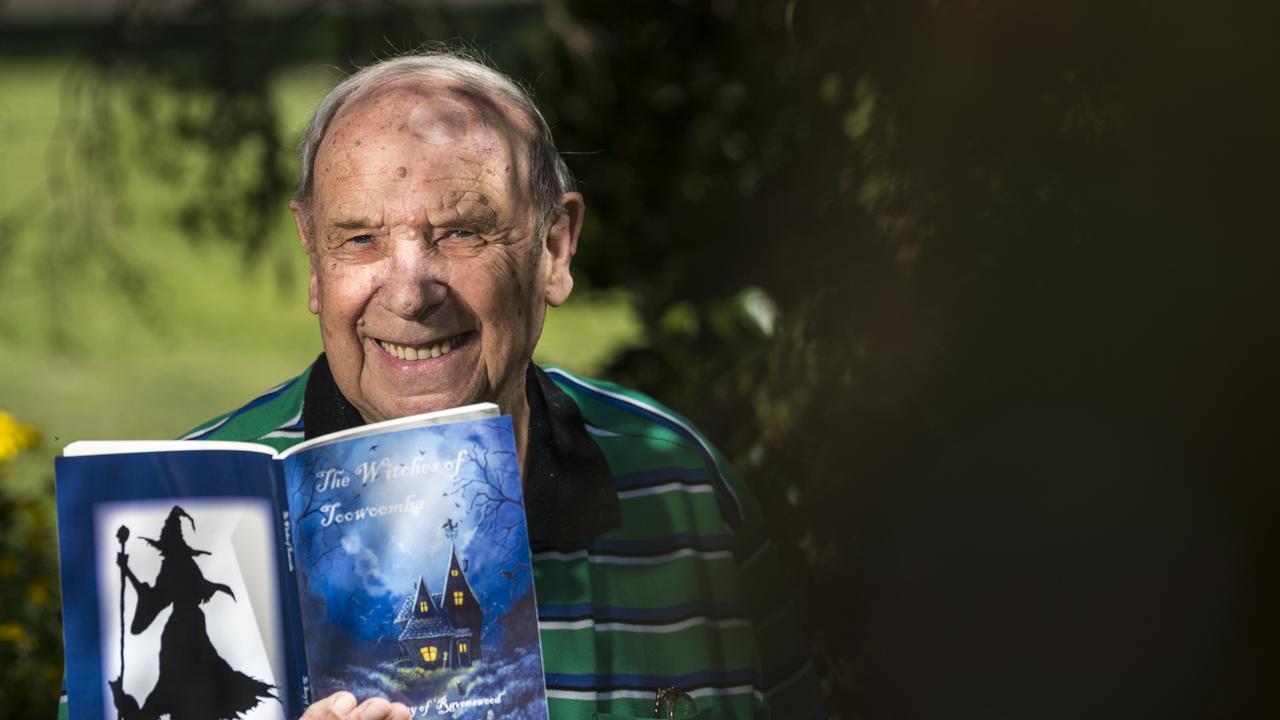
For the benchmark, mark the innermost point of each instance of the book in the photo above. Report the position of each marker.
(207, 579)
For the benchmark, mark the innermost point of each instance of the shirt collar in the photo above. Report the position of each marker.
(569, 492)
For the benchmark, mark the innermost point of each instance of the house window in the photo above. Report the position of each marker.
(424, 606)
(457, 597)
(454, 572)
(429, 653)
(462, 647)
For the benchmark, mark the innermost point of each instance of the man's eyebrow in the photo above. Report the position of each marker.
(479, 215)
(469, 215)
(353, 224)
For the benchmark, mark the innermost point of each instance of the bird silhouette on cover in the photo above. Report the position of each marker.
(195, 683)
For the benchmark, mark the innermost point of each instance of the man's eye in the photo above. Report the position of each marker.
(361, 239)
(459, 239)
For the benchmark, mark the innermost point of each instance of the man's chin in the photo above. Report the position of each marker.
(392, 408)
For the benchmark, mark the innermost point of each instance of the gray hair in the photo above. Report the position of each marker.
(549, 176)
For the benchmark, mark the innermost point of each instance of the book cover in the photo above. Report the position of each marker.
(414, 573)
(163, 568)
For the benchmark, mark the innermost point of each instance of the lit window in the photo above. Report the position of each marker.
(462, 647)
(457, 597)
(424, 606)
(454, 572)
(429, 653)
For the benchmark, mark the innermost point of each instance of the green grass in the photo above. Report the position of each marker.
(217, 329)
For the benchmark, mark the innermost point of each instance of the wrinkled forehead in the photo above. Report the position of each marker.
(443, 115)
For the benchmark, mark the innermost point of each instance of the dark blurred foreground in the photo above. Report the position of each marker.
(974, 293)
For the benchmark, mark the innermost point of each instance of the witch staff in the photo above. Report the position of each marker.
(122, 535)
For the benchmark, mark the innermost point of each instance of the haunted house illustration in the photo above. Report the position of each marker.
(441, 630)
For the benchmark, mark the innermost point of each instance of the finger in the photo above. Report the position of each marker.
(342, 702)
(400, 711)
(371, 709)
(333, 707)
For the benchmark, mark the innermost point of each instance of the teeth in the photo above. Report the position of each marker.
(409, 352)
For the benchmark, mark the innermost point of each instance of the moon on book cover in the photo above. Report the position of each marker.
(194, 579)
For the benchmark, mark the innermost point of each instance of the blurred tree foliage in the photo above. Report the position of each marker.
(855, 231)
(30, 632)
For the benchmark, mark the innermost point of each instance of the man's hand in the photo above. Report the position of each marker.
(342, 706)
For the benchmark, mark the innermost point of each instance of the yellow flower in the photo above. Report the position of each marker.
(14, 634)
(15, 437)
(38, 594)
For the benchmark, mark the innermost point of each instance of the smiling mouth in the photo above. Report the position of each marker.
(423, 352)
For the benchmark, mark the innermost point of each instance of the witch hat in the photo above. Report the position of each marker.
(171, 541)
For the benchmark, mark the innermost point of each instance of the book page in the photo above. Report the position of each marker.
(120, 447)
(440, 417)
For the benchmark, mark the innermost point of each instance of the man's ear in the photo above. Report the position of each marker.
(562, 243)
(302, 221)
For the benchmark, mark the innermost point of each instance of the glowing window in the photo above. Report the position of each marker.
(454, 572)
(429, 653)
(424, 606)
(457, 597)
(462, 647)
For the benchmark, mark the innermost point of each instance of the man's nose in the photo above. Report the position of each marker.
(416, 279)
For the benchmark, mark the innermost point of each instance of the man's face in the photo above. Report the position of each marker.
(425, 269)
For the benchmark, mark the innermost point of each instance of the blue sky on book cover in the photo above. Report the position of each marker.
(415, 577)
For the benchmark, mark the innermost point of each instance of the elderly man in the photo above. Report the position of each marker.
(440, 222)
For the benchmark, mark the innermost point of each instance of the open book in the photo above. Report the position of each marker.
(218, 579)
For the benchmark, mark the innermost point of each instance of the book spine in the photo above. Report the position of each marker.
(296, 653)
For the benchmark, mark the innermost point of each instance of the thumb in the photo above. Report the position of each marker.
(333, 707)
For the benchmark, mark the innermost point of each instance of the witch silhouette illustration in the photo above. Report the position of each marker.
(195, 683)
